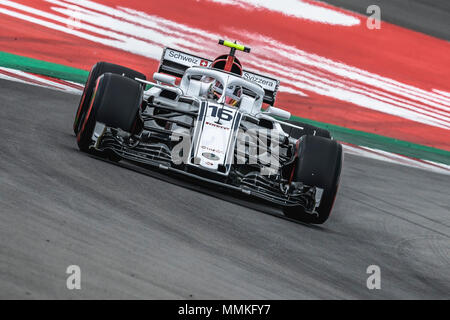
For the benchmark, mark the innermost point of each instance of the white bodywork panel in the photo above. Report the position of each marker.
(216, 137)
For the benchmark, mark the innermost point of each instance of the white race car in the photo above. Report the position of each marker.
(204, 119)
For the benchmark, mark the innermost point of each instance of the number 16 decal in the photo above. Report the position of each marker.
(222, 114)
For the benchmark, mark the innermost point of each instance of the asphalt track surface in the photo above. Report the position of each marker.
(137, 236)
(431, 17)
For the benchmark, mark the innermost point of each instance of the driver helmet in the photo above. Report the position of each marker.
(232, 93)
(221, 61)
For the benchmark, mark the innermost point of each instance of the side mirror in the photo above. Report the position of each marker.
(277, 112)
(164, 78)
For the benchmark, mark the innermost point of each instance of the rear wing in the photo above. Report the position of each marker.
(175, 62)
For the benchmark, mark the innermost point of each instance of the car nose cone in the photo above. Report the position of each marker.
(210, 156)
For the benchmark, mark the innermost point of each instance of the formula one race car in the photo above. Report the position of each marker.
(204, 119)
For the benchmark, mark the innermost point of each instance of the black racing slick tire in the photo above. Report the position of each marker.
(115, 102)
(308, 129)
(97, 70)
(318, 164)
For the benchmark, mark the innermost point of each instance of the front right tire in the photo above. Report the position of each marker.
(97, 70)
(115, 102)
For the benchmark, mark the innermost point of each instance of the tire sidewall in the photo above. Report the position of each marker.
(84, 136)
(85, 100)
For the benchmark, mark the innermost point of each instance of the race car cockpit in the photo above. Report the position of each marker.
(175, 63)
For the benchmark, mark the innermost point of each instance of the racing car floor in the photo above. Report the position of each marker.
(138, 236)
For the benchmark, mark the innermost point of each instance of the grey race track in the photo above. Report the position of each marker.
(431, 17)
(135, 236)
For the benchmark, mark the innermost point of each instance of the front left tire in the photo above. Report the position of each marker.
(318, 164)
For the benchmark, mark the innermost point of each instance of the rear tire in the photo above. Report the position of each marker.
(115, 102)
(308, 129)
(318, 164)
(97, 70)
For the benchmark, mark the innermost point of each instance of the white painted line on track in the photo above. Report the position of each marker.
(25, 77)
(396, 158)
